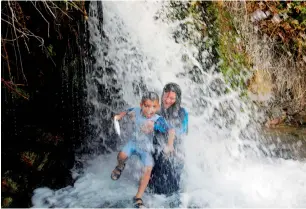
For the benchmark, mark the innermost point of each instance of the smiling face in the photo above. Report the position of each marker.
(169, 98)
(149, 107)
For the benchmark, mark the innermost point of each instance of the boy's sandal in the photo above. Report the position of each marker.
(138, 203)
(117, 172)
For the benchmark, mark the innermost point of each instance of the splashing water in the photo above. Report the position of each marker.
(223, 165)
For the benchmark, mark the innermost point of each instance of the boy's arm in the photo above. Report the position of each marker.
(122, 114)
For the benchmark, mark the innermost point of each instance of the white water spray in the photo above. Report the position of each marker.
(219, 172)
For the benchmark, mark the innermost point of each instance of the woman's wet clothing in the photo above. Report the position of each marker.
(166, 174)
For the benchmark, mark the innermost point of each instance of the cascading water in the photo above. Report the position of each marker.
(224, 166)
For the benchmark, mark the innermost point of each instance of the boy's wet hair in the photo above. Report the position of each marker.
(150, 95)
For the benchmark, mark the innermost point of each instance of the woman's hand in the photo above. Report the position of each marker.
(169, 149)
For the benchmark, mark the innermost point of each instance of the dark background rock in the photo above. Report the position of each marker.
(44, 120)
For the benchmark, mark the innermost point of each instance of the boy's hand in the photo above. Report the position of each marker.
(117, 117)
(148, 127)
(120, 116)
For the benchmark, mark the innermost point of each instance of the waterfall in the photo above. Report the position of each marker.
(225, 163)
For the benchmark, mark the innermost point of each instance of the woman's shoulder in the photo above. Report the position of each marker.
(183, 110)
(183, 113)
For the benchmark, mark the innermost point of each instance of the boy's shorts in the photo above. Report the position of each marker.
(131, 149)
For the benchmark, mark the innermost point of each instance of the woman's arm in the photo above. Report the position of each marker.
(162, 126)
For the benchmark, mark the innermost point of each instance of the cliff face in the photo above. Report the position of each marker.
(44, 46)
(282, 25)
(263, 51)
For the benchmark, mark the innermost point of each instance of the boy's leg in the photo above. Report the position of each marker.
(148, 162)
(121, 158)
(143, 183)
(116, 173)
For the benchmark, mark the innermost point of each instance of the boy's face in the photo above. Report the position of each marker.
(149, 107)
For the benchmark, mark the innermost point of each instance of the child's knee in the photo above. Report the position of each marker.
(122, 156)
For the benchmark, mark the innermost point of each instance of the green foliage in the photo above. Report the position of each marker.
(234, 61)
(213, 26)
(7, 201)
(51, 52)
(290, 29)
(20, 93)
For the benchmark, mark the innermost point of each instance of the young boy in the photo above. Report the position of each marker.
(141, 143)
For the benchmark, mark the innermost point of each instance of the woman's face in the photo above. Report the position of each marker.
(169, 99)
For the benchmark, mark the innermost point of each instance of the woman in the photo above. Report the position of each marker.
(165, 177)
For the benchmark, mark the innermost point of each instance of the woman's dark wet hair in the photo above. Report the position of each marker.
(173, 111)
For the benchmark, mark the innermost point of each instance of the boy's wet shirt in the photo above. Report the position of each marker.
(146, 123)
